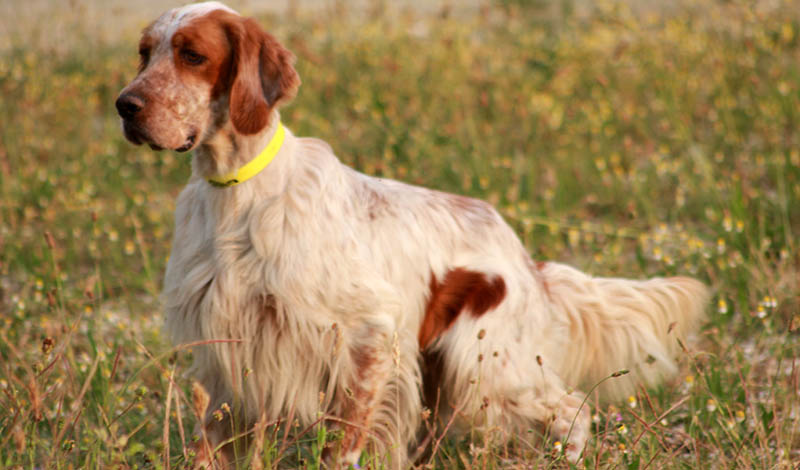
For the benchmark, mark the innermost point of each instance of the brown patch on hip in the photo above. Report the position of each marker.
(461, 289)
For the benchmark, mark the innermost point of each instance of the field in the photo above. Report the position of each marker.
(624, 140)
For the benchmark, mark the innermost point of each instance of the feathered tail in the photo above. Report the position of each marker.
(620, 324)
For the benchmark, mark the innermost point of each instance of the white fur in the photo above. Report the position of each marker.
(170, 21)
(301, 232)
(318, 277)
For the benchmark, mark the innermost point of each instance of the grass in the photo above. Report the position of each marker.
(626, 142)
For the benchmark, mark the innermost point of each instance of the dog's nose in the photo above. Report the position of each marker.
(128, 105)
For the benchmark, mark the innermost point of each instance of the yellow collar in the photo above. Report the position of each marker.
(253, 166)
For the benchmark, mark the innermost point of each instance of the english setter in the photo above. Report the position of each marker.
(360, 298)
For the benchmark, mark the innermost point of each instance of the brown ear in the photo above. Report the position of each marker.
(263, 76)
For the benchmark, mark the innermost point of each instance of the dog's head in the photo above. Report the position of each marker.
(203, 66)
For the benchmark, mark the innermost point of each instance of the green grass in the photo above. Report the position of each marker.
(626, 143)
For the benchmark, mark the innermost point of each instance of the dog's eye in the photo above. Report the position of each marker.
(144, 57)
(191, 57)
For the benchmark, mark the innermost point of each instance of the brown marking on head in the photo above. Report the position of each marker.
(200, 65)
(202, 50)
(263, 76)
(461, 289)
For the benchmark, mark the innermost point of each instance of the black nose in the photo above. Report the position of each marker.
(128, 105)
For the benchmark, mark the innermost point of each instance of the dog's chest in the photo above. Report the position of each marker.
(216, 275)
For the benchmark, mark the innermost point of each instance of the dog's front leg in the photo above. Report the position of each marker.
(210, 452)
(359, 403)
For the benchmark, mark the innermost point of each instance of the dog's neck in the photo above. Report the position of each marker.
(228, 150)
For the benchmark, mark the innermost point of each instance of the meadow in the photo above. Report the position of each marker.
(626, 141)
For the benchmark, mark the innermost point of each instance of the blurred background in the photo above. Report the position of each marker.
(624, 138)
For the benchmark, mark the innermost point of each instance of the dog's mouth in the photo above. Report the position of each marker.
(137, 136)
(188, 144)
(133, 133)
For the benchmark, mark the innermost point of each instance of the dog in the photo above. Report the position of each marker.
(309, 289)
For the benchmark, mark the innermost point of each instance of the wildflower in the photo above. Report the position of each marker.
(622, 430)
(596, 418)
(632, 401)
(557, 446)
(761, 312)
(664, 422)
(226, 408)
(727, 223)
(711, 405)
(720, 245)
(657, 254)
(130, 248)
(217, 415)
(39, 284)
(722, 306)
(689, 380)
(739, 416)
(88, 309)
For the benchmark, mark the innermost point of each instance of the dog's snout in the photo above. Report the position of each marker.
(128, 105)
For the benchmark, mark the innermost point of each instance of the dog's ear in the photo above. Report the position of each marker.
(263, 76)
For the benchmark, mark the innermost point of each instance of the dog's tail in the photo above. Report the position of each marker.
(622, 324)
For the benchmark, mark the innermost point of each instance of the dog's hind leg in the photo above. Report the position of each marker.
(514, 393)
(540, 400)
(564, 412)
(381, 406)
